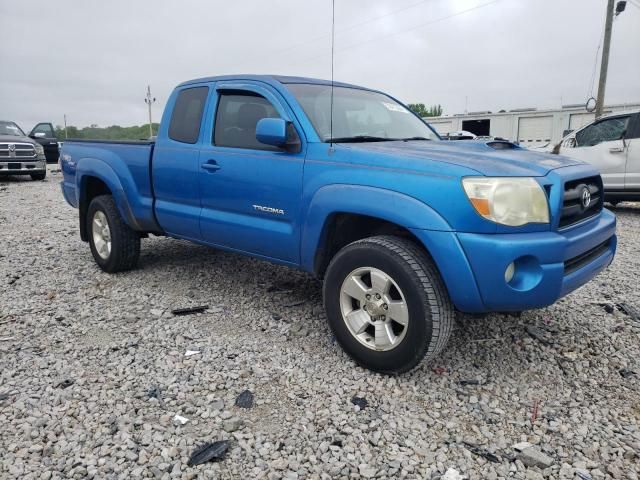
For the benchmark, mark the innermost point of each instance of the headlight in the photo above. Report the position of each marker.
(39, 149)
(508, 201)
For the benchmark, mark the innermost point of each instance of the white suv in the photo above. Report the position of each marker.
(611, 144)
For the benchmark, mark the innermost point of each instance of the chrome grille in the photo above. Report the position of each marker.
(574, 209)
(19, 150)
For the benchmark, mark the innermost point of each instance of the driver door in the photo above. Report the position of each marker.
(250, 192)
(43, 134)
(632, 177)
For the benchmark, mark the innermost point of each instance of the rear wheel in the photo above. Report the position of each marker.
(115, 246)
(386, 304)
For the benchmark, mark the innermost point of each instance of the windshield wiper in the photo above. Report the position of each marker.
(359, 139)
(415, 138)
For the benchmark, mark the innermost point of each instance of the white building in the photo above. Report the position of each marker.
(526, 126)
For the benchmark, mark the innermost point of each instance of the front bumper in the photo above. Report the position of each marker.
(22, 167)
(548, 265)
(69, 193)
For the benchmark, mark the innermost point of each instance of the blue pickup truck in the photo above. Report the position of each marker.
(348, 184)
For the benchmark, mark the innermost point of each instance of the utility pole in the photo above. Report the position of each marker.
(149, 100)
(65, 126)
(604, 65)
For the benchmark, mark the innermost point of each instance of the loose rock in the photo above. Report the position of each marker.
(534, 457)
(245, 399)
(360, 402)
(211, 452)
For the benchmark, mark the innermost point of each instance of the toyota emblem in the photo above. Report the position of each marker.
(586, 197)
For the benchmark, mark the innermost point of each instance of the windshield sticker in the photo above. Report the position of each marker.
(395, 108)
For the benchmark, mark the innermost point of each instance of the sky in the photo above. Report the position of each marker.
(93, 59)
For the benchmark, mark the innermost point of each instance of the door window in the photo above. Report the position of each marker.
(606, 130)
(187, 115)
(44, 128)
(237, 117)
(633, 130)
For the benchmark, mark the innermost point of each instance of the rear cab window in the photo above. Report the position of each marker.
(186, 117)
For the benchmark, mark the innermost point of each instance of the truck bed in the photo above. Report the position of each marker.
(124, 165)
(115, 142)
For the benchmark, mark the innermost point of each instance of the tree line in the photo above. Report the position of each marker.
(423, 111)
(141, 132)
(114, 132)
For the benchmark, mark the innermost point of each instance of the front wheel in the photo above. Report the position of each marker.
(39, 176)
(386, 304)
(115, 246)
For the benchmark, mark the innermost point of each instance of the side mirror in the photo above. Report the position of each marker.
(39, 135)
(272, 131)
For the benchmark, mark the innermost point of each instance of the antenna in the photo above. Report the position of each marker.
(333, 29)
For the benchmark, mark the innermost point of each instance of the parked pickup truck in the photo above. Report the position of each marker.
(612, 145)
(19, 155)
(402, 227)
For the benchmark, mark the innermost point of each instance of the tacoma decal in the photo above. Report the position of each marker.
(277, 211)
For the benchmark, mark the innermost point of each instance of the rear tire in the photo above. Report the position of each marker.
(386, 304)
(39, 176)
(115, 246)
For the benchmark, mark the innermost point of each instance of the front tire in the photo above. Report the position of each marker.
(115, 246)
(386, 304)
(39, 176)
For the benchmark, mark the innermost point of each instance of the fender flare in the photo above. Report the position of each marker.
(93, 167)
(394, 207)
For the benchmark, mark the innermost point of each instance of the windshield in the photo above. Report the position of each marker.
(10, 128)
(358, 115)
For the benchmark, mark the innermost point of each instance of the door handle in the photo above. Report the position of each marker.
(616, 149)
(211, 166)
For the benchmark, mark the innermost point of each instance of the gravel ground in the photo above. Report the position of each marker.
(93, 370)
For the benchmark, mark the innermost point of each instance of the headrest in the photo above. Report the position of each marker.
(249, 114)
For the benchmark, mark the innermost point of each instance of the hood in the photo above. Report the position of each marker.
(16, 139)
(492, 158)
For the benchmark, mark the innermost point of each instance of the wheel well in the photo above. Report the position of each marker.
(92, 188)
(341, 229)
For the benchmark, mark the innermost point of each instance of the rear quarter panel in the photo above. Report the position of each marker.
(123, 167)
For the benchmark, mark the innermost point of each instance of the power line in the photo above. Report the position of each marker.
(416, 27)
(353, 26)
(595, 66)
(437, 20)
